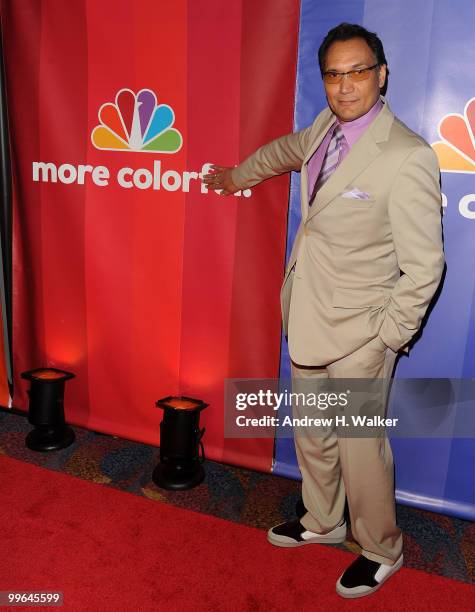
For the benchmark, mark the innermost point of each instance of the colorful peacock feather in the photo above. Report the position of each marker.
(136, 123)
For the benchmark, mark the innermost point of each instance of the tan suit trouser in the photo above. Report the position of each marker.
(360, 468)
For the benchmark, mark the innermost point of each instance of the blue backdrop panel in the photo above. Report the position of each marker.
(429, 47)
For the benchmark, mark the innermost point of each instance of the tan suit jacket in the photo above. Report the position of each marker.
(359, 268)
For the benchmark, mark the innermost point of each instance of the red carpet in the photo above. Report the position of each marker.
(109, 550)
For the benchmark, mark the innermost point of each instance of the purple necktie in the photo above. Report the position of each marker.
(330, 162)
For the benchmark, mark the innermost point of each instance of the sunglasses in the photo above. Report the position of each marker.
(333, 78)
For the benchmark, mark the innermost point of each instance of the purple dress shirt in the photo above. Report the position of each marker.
(352, 130)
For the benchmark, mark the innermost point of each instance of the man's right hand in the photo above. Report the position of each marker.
(219, 177)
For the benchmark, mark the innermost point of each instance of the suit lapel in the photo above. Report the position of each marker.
(304, 174)
(318, 139)
(364, 151)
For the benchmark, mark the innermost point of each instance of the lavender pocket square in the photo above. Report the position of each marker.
(356, 194)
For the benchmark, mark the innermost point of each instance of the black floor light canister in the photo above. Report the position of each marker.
(180, 464)
(46, 410)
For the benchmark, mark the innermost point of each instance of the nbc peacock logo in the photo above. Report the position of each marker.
(136, 123)
(456, 150)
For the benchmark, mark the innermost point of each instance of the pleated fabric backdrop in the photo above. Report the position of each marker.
(145, 291)
(128, 274)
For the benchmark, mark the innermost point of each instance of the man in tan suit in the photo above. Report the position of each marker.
(366, 262)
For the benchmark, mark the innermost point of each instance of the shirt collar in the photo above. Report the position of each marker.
(352, 130)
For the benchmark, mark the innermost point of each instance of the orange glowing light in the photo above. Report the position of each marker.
(181, 403)
(48, 375)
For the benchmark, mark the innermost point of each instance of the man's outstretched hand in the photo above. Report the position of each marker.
(219, 177)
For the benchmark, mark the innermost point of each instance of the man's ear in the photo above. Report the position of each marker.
(383, 73)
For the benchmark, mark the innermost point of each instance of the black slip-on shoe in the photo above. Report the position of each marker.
(293, 533)
(300, 509)
(364, 577)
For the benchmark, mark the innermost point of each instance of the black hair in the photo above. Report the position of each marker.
(347, 31)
